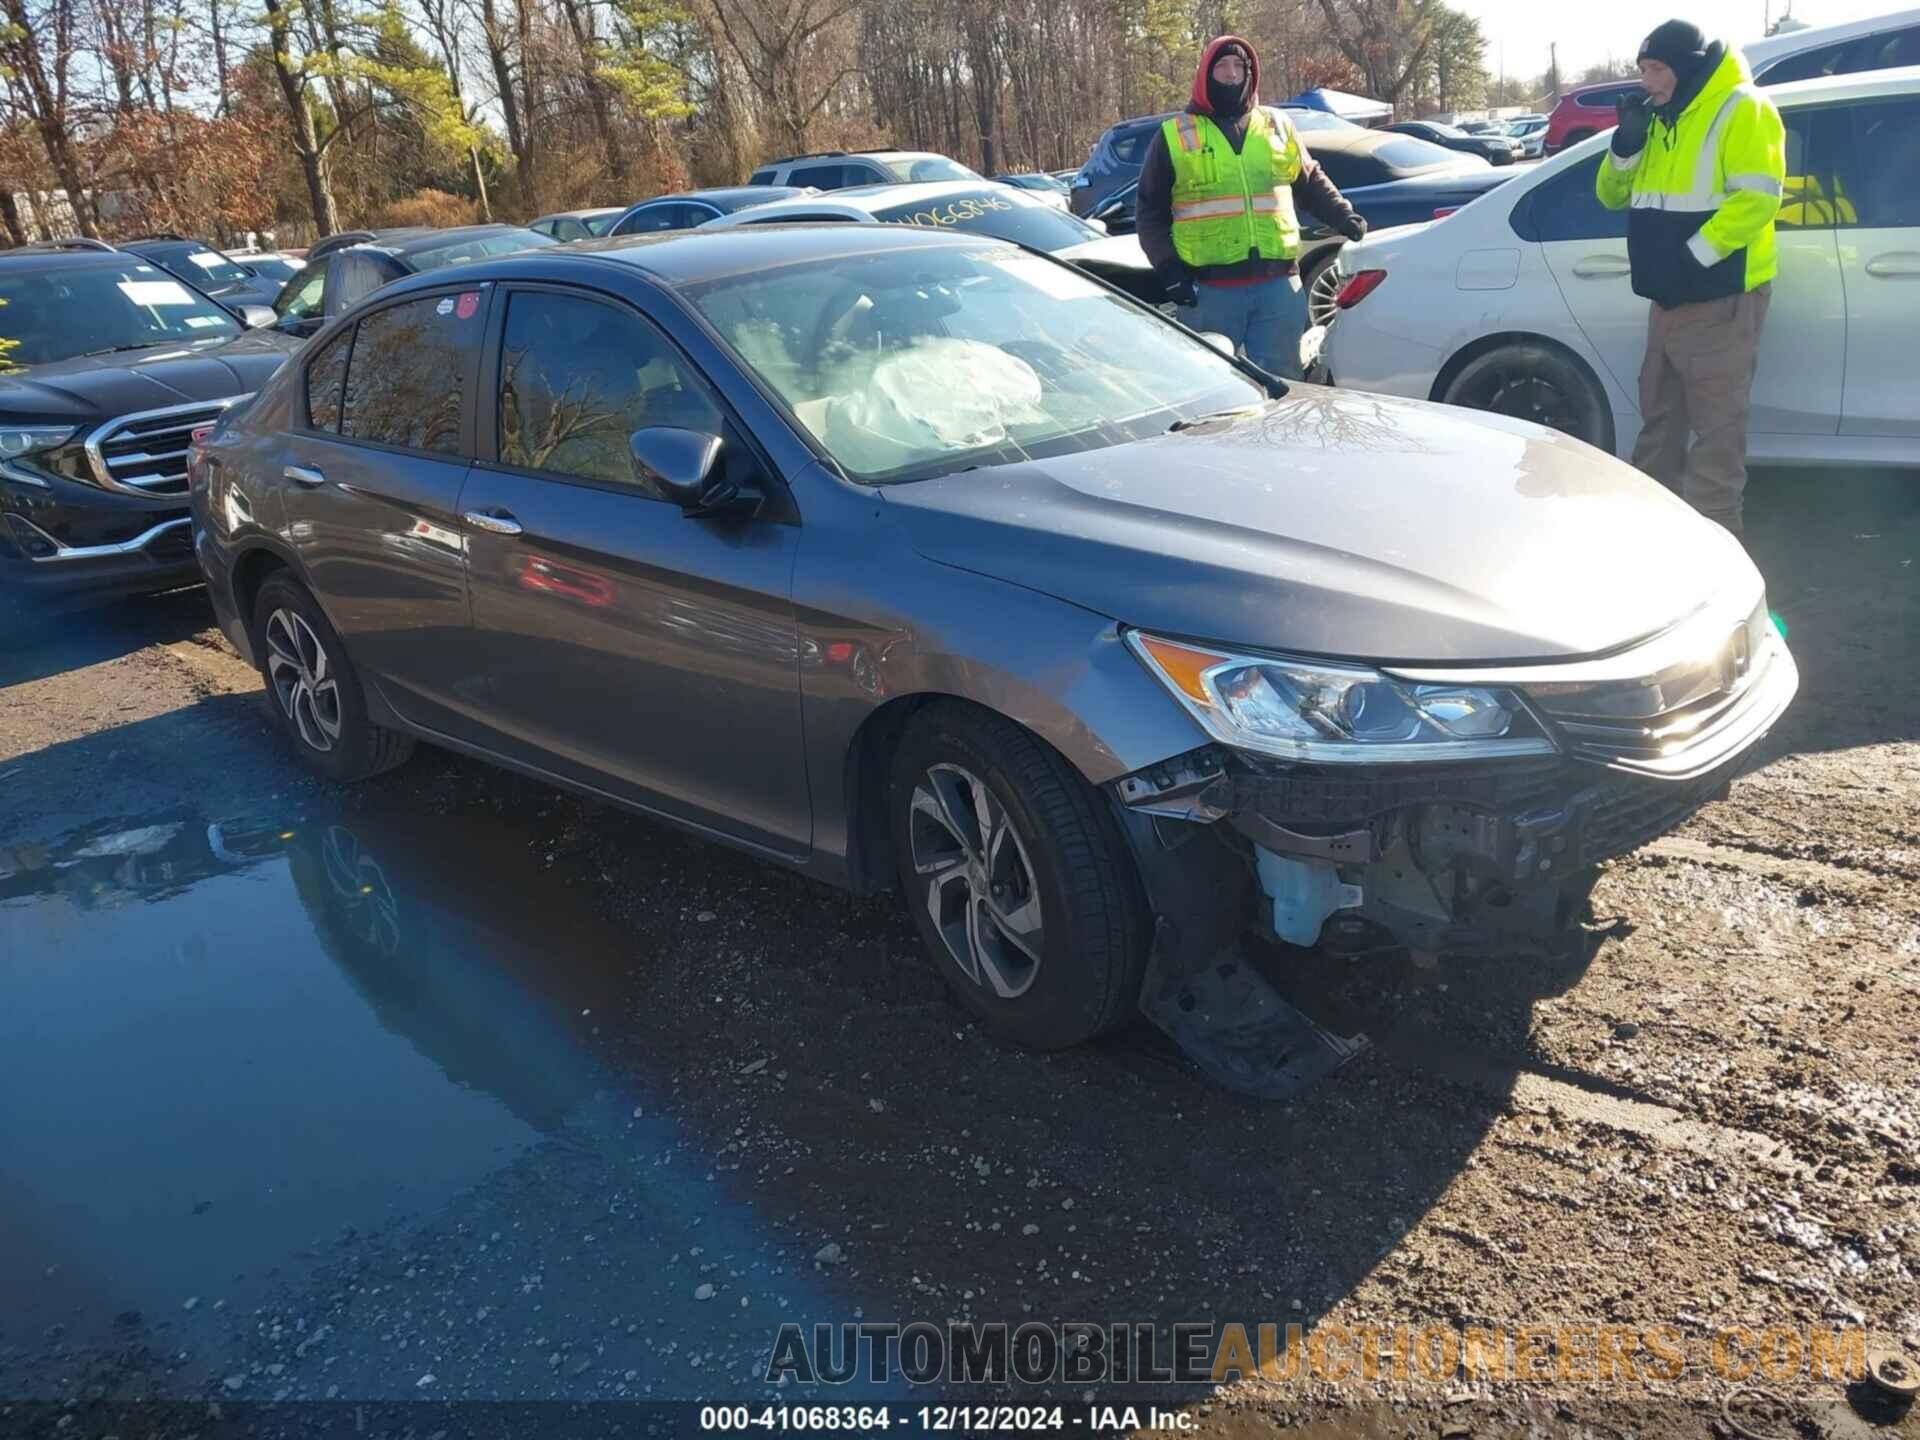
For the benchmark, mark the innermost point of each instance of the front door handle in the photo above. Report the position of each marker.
(1899, 265)
(1602, 267)
(497, 522)
(306, 475)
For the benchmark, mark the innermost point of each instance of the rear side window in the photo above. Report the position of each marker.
(1604, 99)
(327, 382)
(1565, 208)
(824, 177)
(578, 377)
(1887, 52)
(299, 299)
(410, 370)
(1131, 148)
(1876, 179)
(1350, 171)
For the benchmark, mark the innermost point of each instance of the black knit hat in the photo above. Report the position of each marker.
(1679, 44)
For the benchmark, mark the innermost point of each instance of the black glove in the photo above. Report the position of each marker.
(1354, 227)
(1634, 118)
(1182, 290)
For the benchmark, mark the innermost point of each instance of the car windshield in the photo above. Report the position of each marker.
(479, 247)
(981, 212)
(56, 312)
(206, 267)
(924, 361)
(923, 169)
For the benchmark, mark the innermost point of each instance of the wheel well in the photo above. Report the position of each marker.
(250, 572)
(871, 864)
(1489, 343)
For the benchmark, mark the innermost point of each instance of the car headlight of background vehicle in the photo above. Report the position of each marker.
(1312, 710)
(19, 441)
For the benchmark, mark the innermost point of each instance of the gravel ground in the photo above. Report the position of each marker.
(456, 1087)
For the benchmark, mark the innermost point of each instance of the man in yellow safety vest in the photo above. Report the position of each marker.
(1701, 158)
(1217, 213)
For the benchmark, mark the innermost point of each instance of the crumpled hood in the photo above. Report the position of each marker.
(1341, 524)
(104, 386)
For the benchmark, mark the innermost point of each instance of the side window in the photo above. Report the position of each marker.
(1807, 193)
(577, 377)
(1890, 51)
(327, 382)
(299, 298)
(1132, 149)
(823, 177)
(1876, 165)
(410, 371)
(569, 229)
(1808, 64)
(1565, 208)
(654, 219)
(1350, 172)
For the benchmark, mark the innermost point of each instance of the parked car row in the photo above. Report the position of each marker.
(1522, 303)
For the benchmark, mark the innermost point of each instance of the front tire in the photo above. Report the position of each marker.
(315, 690)
(1018, 878)
(1538, 383)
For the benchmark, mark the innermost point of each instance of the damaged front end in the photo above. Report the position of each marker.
(1318, 832)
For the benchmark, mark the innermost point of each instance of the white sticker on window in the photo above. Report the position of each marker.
(445, 307)
(1049, 278)
(156, 292)
(201, 322)
(207, 259)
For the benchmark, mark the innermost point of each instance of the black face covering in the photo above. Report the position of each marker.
(1228, 101)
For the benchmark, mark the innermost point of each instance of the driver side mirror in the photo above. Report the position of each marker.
(257, 317)
(683, 467)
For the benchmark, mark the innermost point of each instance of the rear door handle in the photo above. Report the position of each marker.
(304, 474)
(496, 522)
(1602, 267)
(1900, 265)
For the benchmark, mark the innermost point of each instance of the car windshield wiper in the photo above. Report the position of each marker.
(116, 349)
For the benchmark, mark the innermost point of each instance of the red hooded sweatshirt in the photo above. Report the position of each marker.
(1313, 193)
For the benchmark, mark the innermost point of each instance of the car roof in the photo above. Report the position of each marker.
(869, 199)
(727, 195)
(407, 242)
(586, 214)
(689, 257)
(30, 256)
(1792, 42)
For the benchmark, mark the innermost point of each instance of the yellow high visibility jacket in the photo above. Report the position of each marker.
(1226, 207)
(1704, 191)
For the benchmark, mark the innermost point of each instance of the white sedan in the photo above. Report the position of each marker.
(1520, 302)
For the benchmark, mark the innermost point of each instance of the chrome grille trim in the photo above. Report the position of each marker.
(1676, 706)
(130, 472)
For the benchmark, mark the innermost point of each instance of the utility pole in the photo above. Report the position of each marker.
(1553, 70)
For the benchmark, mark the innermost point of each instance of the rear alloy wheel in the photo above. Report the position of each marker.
(1018, 879)
(1537, 383)
(1323, 288)
(314, 688)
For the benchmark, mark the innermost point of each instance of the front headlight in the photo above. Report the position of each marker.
(18, 440)
(1312, 710)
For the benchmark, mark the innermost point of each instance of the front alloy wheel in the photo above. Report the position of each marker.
(303, 679)
(1322, 292)
(979, 892)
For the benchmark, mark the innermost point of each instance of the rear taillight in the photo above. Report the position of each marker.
(1361, 285)
(1444, 211)
(197, 455)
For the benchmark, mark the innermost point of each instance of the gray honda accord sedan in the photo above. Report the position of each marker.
(921, 560)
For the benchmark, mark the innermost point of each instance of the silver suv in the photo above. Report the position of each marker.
(839, 169)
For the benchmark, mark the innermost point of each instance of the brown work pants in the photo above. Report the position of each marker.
(1698, 377)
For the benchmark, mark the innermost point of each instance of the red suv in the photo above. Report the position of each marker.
(1583, 112)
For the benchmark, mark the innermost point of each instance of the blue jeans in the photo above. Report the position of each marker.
(1264, 321)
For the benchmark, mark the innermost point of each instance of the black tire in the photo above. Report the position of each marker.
(1538, 383)
(318, 700)
(1094, 931)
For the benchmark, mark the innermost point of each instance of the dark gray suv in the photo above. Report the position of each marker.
(917, 559)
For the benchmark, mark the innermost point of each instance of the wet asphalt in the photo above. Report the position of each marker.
(284, 1065)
